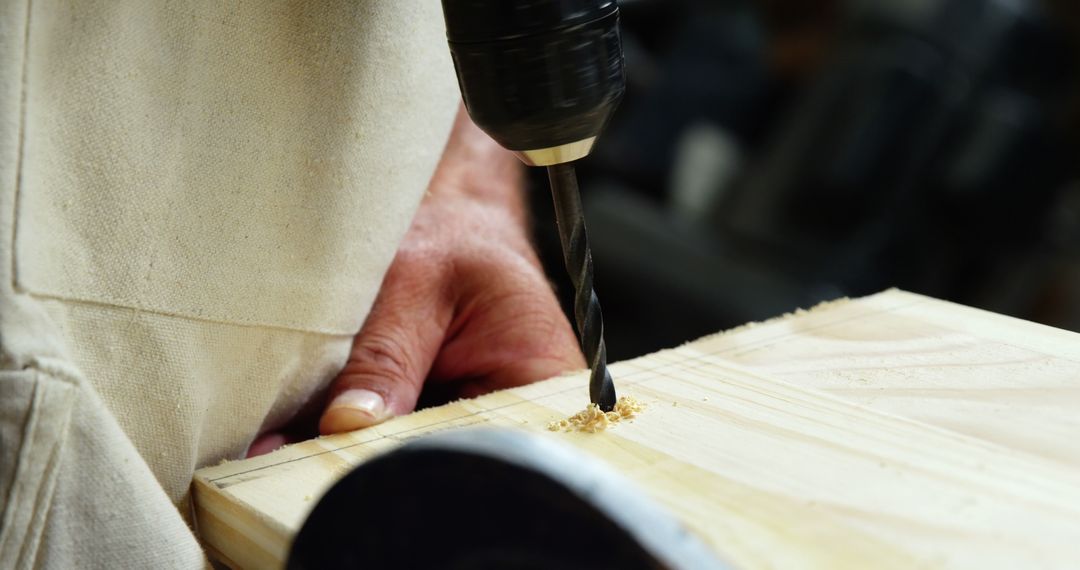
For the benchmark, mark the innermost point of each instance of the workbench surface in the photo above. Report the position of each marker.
(891, 431)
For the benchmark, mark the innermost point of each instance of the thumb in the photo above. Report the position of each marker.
(391, 356)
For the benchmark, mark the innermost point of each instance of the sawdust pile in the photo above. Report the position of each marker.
(592, 420)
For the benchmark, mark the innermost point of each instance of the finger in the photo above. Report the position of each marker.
(519, 361)
(302, 427)
(514, 333)
(266, 443)
(393, 352)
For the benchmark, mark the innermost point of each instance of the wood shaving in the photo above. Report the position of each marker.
(592, 420)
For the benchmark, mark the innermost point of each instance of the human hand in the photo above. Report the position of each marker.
(465, 306)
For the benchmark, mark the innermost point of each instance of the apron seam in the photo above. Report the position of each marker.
(328, 332)
(21, 143)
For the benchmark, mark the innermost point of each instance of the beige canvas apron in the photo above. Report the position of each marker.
(198, 201)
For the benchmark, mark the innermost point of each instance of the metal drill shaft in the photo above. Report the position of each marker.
(579, 264)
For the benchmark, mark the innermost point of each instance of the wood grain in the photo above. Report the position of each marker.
(889, 431)
(1000, 379)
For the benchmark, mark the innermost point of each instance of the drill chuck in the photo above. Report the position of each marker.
(541, 77)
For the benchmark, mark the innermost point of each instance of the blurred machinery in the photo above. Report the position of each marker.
(775, 153)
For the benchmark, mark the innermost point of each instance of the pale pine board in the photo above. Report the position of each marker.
(1004, 380)
(782, 444)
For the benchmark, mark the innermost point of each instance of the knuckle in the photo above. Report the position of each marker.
(413, 254)
(423, 260)
(379, 355)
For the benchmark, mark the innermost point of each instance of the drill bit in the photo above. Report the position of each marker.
(578, 257)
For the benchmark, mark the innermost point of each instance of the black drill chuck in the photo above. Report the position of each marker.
(541, 77)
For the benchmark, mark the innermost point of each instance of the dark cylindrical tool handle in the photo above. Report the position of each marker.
(537, 74)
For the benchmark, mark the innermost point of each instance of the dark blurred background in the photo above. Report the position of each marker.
(770, 154)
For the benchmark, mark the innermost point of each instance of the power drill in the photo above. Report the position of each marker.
(542, 78)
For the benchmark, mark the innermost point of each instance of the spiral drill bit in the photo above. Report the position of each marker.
(578, 257)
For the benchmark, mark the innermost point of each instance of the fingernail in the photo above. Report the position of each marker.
(352, 410)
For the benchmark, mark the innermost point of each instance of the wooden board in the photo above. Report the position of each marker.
(890, 431)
